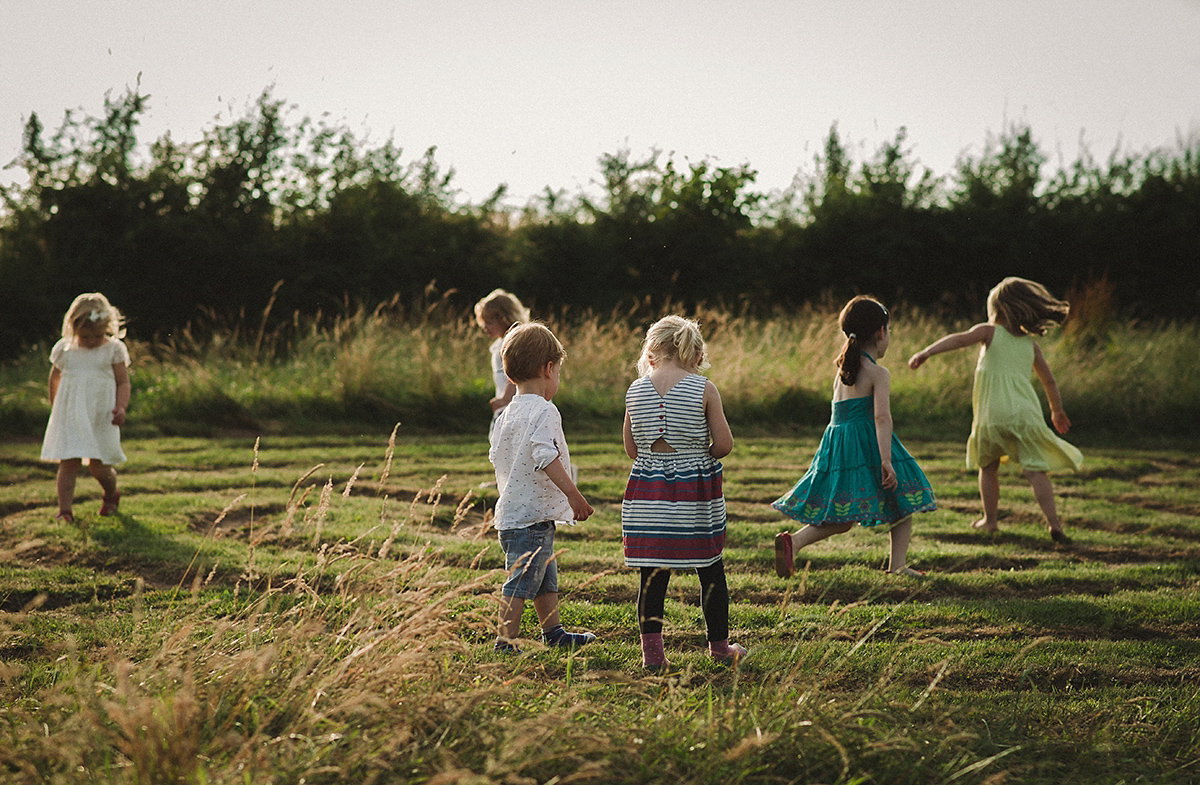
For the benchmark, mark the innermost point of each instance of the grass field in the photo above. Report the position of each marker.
(321, 609)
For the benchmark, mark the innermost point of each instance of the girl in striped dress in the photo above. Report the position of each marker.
(673, 513)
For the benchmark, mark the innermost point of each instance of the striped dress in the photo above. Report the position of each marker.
(673, 513)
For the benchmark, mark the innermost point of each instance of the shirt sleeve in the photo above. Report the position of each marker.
(545, 438)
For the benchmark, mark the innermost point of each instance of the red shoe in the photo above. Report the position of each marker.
(109, 507)
(64, 517)
(784, 566)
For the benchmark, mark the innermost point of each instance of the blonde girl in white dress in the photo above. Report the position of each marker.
(495, 314)
(89, 392)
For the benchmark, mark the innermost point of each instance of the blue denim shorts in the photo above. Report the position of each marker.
(527, 557)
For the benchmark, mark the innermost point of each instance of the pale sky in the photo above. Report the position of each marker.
(532, 93)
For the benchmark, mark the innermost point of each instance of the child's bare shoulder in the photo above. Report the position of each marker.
(984, 330)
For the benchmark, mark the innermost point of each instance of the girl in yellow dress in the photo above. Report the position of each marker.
(1009, 423)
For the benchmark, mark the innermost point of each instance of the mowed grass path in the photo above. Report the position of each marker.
(1016, 659)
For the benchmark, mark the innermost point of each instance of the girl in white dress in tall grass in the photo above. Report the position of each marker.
(89, 392)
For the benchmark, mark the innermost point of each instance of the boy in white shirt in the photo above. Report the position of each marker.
(533, 475)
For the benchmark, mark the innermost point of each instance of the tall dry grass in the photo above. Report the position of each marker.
(350, 667)
(427, 366)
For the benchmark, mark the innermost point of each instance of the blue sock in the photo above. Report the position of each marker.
(557, 636)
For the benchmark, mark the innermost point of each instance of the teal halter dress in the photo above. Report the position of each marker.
(844, 482)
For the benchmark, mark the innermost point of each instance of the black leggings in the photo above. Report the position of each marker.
(714, 600)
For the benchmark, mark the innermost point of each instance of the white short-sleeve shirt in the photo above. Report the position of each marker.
(527, 437)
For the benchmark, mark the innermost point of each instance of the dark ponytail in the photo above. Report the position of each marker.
(860, 319)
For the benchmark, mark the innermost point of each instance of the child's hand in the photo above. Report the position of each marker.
(889, 477)
(118, 416)
(580, 507)
(1061, 423)
(915, 361)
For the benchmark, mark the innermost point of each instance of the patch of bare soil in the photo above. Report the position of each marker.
(238, 523)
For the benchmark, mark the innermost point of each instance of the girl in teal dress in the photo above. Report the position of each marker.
(861, 473)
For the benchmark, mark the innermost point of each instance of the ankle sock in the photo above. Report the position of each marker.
(557, 636)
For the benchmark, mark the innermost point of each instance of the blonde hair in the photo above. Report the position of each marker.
(501, 307)
(673, 336)
(526, 350)
(1026, 306)
(93, 307)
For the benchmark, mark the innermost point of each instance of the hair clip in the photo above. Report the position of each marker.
(95, 316)
(852, 336)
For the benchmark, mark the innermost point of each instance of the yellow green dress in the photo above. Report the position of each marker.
(1009, 422)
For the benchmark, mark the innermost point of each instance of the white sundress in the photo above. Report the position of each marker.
(80, 423)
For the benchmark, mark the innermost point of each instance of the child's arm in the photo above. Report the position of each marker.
(883, 424)
(1058, 415)
(558, 475)
(718, 426)
(627, 437)
(55, 378)
(123, 386)
(500, 402)
(980, 333)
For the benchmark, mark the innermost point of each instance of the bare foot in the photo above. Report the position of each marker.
(984, 525)
(908, 571)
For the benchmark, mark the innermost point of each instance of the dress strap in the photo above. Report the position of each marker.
(869, 357)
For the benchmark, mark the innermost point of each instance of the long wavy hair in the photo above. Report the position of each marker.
(1026, 306)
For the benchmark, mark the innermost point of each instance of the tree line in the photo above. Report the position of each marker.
(268, 211)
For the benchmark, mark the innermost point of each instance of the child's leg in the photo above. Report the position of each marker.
(899, 537)
(107, 477)
(989, 494)
(809, 534)
(65, 483)
(526, 555)
(546, 606)
(714, 602)
(553, 633)
(545, 601)
(651, 600)
(1043, 491)
(509, 629)
(786, 544)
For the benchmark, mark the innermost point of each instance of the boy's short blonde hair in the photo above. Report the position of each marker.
(502, 308)
(526, 350)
